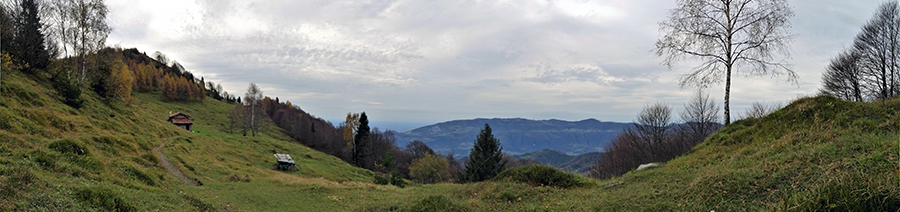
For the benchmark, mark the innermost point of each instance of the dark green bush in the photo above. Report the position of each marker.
(542, 175)
(436, 203)
(67, 89)
(103, 198)
(381, 179)
(397, 180)
(68, 146)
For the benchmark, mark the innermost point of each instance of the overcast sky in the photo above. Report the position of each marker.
(438, 60)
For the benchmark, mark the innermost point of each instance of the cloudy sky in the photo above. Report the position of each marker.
(429, 61)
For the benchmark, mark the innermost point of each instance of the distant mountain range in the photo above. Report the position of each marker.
(517, 135)
(573, 163)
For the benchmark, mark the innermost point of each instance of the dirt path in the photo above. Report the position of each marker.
(165, 162)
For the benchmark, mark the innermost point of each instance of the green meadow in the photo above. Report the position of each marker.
(815, 154)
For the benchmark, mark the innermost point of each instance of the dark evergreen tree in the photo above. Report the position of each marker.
(486, 159)
(29, 40)
(6, 29)
(359, 147)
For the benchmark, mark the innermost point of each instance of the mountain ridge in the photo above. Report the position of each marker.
(517, 135)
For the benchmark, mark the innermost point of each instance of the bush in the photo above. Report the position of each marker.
(429, 169)
(381, 179)
(68, 146)
(67, 89)
(437, 203)
(543, 175)
(103, 198)
(394, 178)
(397, 180)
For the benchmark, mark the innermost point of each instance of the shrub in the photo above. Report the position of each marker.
(103, 198)
(381, 179)
(67, 89)
(397, 180)
(543, 175)
(68, 146)
(437, 203)
(429, 169)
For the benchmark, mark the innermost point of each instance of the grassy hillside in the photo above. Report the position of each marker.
(55, 157)
(815, 154)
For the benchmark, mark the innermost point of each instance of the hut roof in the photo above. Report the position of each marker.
(180, 118)
(284, 158)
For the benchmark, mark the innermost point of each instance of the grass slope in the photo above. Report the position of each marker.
(99, 157)
(815, 154)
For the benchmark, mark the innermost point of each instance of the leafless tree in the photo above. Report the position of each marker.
(252, 99)
(418, 149)
(758, 110)
(727, 36)
(58, 15)
(653, 123)
(877, 46)
(161, 58)
(89, 31)
(843, 78)
(700, 115)
(235, 119)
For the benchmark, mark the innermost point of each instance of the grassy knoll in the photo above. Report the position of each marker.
(815, 154)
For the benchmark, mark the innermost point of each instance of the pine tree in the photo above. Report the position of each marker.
(486, 159)
(29, 40)
(362, 132)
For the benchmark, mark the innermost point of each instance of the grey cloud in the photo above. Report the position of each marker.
(428, 61)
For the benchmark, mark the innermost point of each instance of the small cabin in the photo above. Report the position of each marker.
(180, 119)
(285, 162)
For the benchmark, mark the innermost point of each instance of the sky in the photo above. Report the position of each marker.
(412, 62)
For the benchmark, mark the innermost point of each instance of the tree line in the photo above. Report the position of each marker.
(868, 70)
(654, 137)
(355, 142)
(63, 42)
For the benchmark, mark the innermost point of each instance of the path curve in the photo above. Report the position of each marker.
(165, 162)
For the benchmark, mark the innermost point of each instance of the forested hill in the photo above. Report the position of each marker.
(518, 135)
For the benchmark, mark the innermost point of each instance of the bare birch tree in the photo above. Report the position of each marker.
(700, 115)
(252, 99)
(728, 36)
(88, 29)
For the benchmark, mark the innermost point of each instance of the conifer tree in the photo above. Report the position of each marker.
(486, 159)
(362, 132)
(29, 40)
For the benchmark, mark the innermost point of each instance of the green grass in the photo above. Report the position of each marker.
(815, 154)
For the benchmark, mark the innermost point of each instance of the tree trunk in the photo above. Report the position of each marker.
(253, 119)
(727, 95)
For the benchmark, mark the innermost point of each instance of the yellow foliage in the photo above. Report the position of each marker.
(121, 82)
(350, 125)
